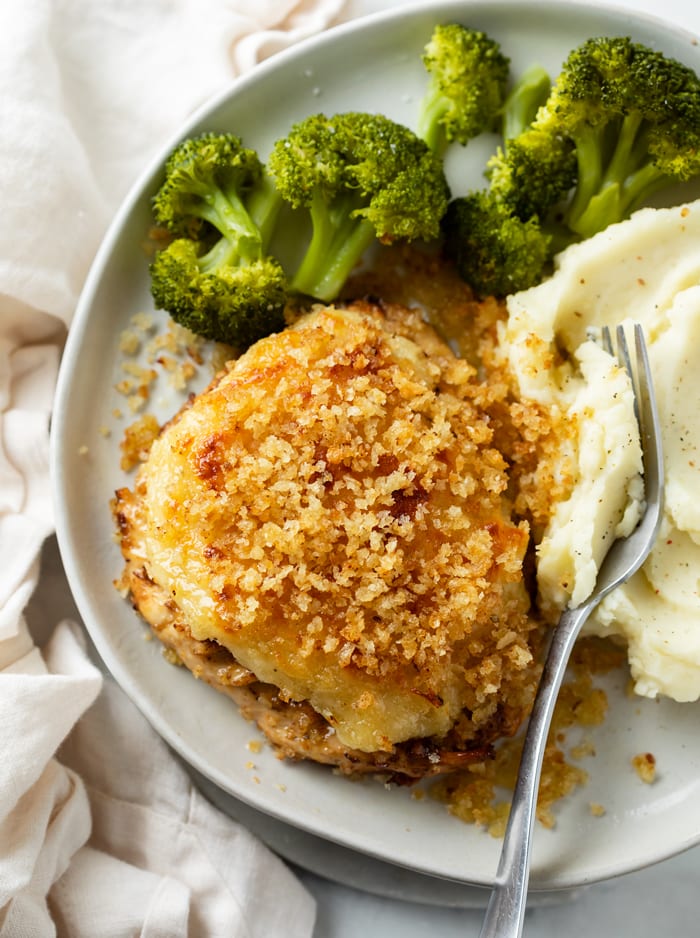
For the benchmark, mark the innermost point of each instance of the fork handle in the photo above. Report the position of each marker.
(506, 909)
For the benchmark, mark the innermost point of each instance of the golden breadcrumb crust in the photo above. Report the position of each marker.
(333, 511)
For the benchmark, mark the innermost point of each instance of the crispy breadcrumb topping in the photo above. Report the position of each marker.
(137, 441)
(335, 500)
(480, 794)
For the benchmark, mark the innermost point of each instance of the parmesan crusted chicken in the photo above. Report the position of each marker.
(325, 535)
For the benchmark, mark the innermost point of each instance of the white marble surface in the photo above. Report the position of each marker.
(660, 901)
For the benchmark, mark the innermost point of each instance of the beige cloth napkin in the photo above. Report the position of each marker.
(106, 836)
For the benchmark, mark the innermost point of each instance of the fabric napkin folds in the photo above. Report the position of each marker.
(101, 831)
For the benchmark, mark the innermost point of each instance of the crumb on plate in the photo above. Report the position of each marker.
(644, 764)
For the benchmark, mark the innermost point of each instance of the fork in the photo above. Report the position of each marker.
(505, 912)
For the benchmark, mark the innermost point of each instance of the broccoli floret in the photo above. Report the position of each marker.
(533, 173)
(633, 118)
(216, 277)
(496, 252)
(361, 177)
(533, 170)
(468, 80)
(497, 237)
(228, 302)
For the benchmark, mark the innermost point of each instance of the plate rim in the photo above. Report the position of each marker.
(136, 193)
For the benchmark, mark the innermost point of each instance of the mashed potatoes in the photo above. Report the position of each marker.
(647, 270)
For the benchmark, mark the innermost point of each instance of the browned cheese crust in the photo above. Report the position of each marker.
(324, 535)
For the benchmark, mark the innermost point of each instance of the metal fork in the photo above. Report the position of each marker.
(506, 909)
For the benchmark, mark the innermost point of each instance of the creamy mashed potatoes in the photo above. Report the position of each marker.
(646, 269)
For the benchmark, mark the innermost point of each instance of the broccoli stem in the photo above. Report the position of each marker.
(429, 127)
(345, 256)
(632, 167)
(226, 212)
(640, 185)
(222, 254)
(589, 160)
(627, 152)
(603, 209)
(264, 205)
(523, 102)
(322, 234)
(337, 243)
(628, 179)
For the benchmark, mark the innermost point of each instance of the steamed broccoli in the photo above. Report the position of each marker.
(361, 177)
(493, 250)
(496, 236)
(632, 116)
(620, 122)
(216, 297)
(532, 173)
(216, 277)
(468, 79)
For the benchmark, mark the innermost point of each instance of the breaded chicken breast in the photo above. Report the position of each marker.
(324, 534)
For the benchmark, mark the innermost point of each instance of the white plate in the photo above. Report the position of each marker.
(371, 64)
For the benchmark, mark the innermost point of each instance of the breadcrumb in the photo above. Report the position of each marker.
(644, 764)
(137, 441)
(172, 657)
(480, 794)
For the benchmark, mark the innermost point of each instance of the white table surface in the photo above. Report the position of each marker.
(660, 902)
